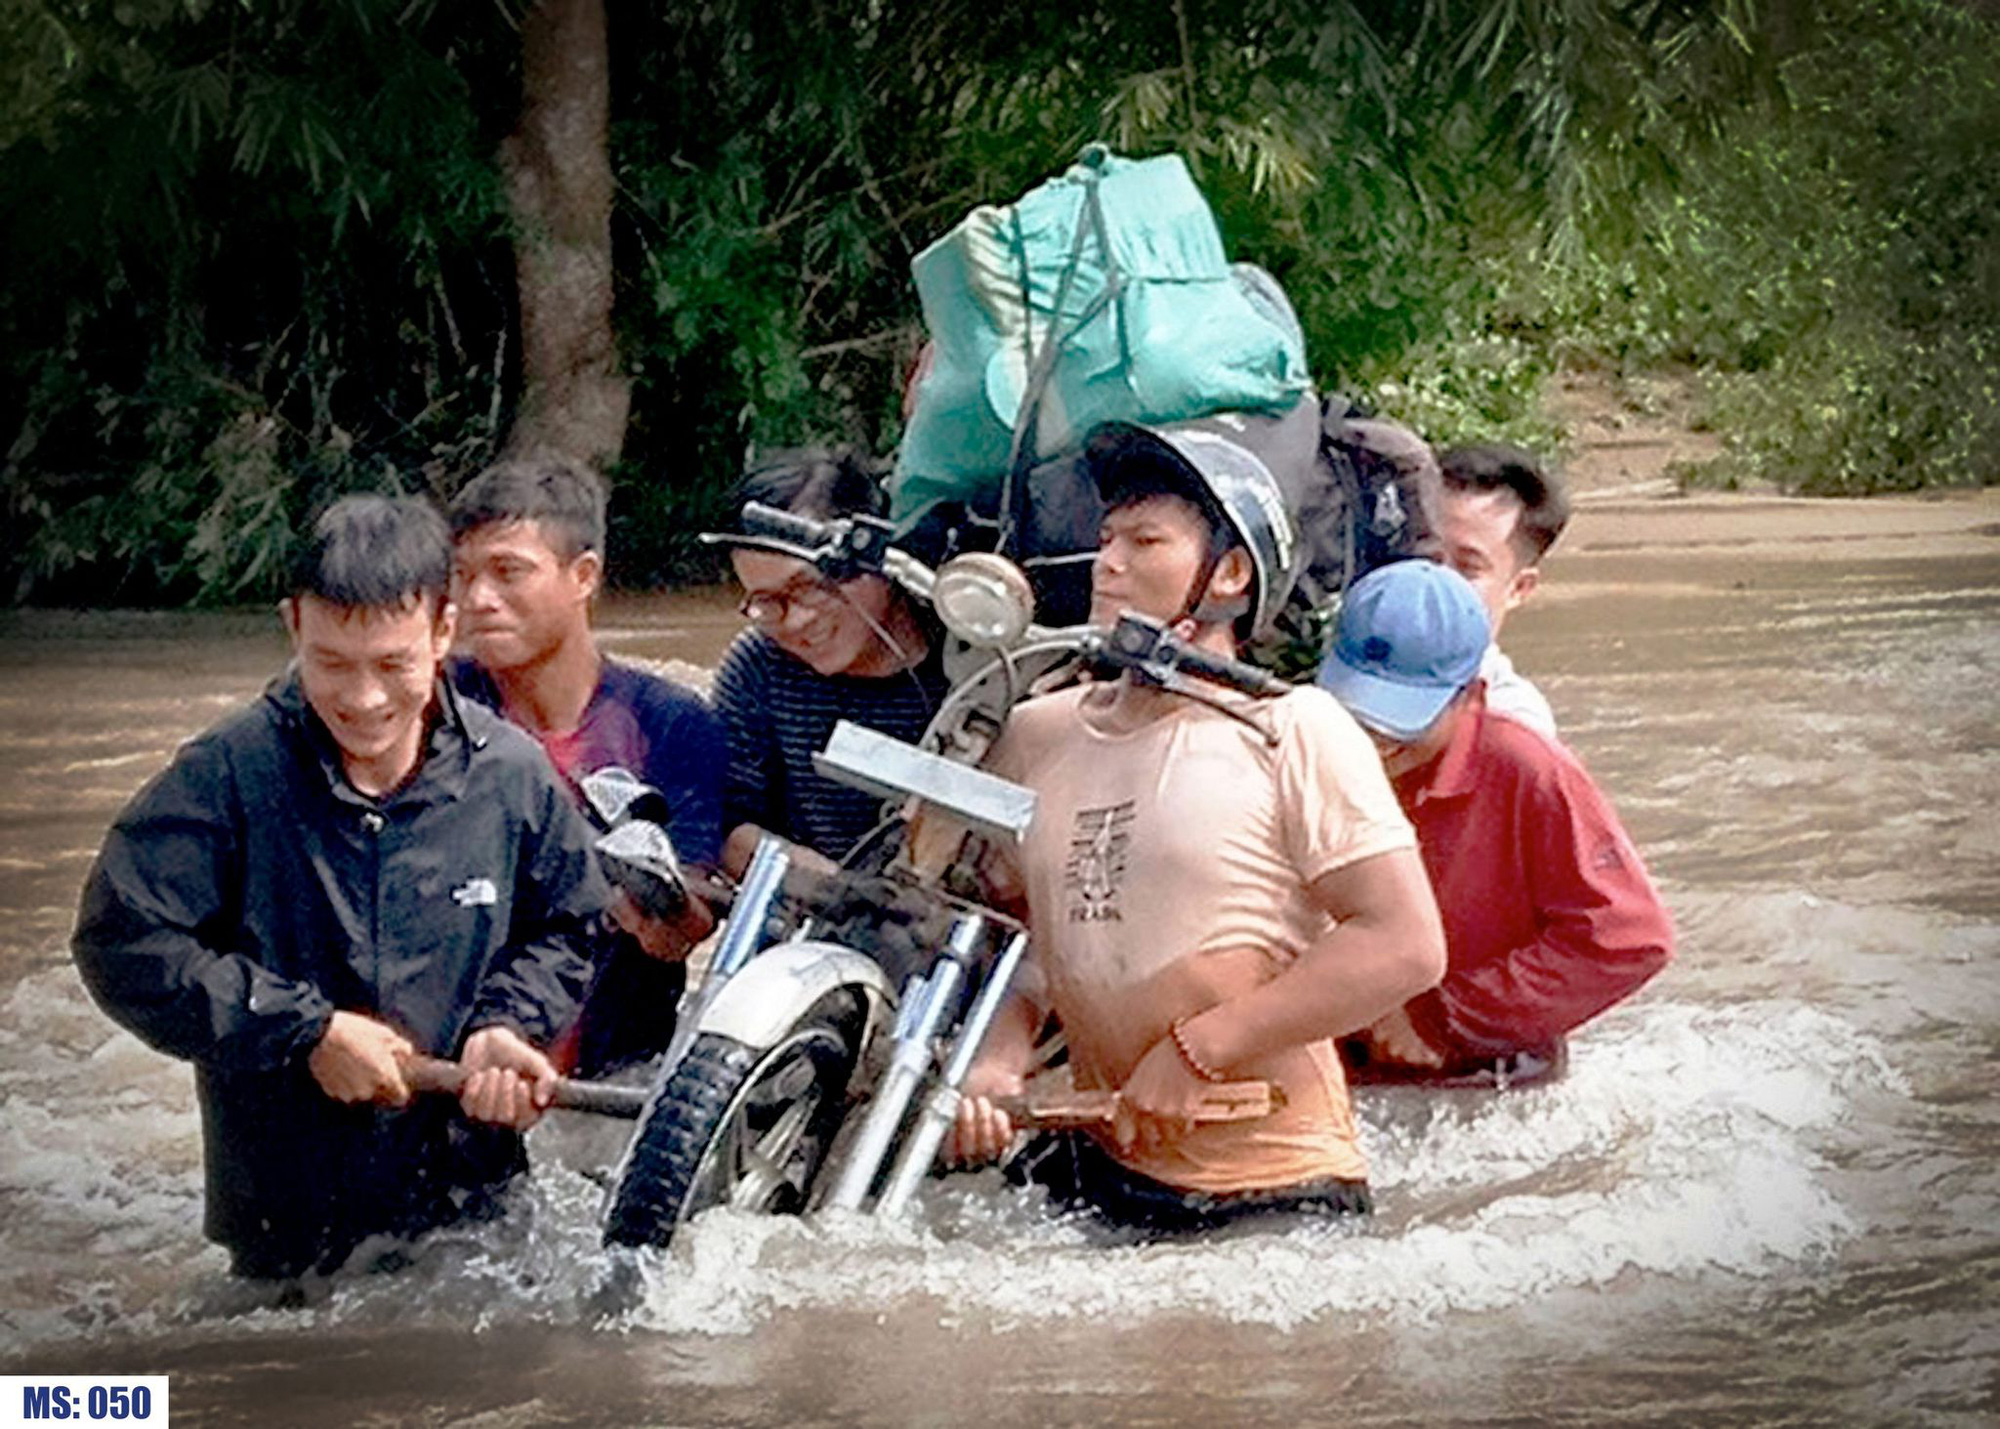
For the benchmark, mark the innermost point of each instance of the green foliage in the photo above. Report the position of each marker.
(257, 253)
(1863, 411)
(1485, 387)
(254, 259)
(1888, 380)
(1831, 264)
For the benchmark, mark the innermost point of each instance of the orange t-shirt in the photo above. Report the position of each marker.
(1166, 871)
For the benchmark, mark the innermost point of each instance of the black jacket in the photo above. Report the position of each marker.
(249, 891)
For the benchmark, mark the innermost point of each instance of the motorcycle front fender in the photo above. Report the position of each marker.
(776, 988)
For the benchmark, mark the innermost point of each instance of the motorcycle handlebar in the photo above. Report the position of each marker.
(762, 520)
(1140, 643)
(844, 547)
(1136, 642)
(1226, 671)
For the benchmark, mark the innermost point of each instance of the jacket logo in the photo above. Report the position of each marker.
(475, 893)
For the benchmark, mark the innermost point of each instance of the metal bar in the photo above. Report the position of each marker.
(434, 1074)
(1037, 1109)
(907, 1067)
(940, 1108)
(867, 760)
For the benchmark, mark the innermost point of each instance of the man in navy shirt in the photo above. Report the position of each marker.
(528, 561)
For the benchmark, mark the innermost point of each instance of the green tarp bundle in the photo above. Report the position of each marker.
(1120, 263)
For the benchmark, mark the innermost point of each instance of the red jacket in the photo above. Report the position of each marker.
(1549, 916)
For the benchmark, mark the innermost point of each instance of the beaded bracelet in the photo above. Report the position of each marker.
(1194, 1063)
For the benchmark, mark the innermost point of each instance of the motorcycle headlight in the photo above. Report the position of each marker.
(983, 599)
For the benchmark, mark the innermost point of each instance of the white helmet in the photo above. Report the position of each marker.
(1227, 481)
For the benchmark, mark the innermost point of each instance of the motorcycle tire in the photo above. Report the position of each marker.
(739, 1125)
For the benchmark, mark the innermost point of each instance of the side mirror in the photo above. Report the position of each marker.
(635, 851)
(639, 857)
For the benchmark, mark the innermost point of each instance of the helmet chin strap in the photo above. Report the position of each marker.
(1199, 609)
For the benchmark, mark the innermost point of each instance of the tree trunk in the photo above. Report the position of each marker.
(557, 166)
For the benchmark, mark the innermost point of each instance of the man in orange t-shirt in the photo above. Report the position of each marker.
(1216, 891)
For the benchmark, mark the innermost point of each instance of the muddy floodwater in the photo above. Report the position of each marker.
(1768, 1191)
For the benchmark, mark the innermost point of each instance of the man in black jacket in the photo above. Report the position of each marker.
(355, 869)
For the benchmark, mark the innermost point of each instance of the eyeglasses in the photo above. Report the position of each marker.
(772, 608)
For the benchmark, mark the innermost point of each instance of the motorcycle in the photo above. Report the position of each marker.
(817, 1063)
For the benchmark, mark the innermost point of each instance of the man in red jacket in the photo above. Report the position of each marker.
(1548, 913)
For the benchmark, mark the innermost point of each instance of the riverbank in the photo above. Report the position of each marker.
(1946, 524)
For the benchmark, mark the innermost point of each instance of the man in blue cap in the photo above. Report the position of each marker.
(1548, 913)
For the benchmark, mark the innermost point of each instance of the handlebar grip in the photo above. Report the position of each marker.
(1223, 670)
(762, 520)
(1141, 642)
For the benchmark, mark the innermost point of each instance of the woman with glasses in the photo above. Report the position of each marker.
(818, 651)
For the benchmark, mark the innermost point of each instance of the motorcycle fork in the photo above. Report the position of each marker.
(926, 1002)
(741, 937)
(940, 1108)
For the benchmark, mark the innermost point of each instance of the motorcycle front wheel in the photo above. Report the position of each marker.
(739, 1126)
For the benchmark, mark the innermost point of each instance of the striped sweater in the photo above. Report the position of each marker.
(778, 712)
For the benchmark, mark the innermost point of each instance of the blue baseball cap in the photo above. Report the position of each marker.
(1411, 636)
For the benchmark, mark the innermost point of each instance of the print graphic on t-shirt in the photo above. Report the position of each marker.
(1096, 865)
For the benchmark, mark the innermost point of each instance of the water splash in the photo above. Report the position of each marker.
(1687, 1140)
(1683, 1143)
